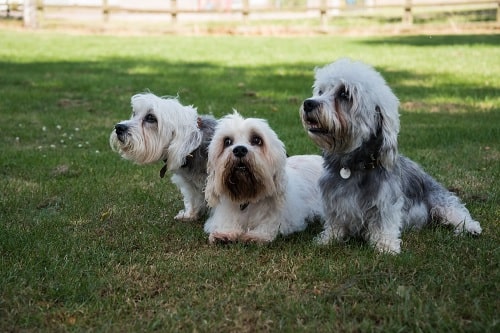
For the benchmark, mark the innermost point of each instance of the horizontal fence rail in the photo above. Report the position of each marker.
(33, 11)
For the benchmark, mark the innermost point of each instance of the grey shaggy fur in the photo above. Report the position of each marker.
(368, 189)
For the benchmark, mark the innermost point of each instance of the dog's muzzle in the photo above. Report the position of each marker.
(311, 109)
(240, 151)
(121, 131)
(310, 105)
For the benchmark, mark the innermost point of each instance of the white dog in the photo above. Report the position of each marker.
(162, 129)
(256, 191)
(368, 189)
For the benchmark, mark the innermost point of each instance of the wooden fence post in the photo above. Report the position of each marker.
(173, 11)
(30, 13)
(407, 15)
(245, 12)
(322, 13)
(39, 12)
(498, 12)
(105, 11)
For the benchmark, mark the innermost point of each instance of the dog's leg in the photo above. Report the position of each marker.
(331, 230)
(384, 227)
(265, 232)
(386, 242)
(449, 210)
(223, 226)
(194, 201)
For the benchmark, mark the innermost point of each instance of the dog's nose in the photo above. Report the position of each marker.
(310, 105)
(240, 151)
(120, 129)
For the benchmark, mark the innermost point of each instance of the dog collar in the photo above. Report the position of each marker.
(346, 170)
(371, 162)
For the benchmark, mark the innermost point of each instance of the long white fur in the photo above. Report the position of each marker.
(290, 198)
(172, 138)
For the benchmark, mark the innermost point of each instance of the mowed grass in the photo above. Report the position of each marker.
(88, 241)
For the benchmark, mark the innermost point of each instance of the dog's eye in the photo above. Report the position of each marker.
(150, 118)
(256, 140)
(320, 92)
(227, 142)
(343, 94)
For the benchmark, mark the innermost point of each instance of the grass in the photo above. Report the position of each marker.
(88, 241)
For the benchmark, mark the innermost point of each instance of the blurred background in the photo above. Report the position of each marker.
(254, 16)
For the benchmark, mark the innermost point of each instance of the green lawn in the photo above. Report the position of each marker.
(88, 241)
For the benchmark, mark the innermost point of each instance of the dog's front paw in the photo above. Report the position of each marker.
(323, 238)
(389, 246)
(223, 237)
(256, 238)
(472, 227)
(186, 216)
(326, 236)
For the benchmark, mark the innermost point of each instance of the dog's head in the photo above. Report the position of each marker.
(159, 129)
(351, 106)
(246, 161)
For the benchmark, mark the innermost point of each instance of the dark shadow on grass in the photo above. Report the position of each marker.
(90, 85)
(101, 90)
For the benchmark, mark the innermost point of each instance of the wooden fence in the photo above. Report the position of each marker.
(33, 10)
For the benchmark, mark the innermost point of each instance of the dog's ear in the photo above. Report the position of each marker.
(280, 183)
(184, 141)
(211, 195)
(388, 127)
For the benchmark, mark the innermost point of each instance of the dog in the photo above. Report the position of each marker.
(369, 190)
(254, 190)
(162, 129)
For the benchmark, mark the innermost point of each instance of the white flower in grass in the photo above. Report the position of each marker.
(58, 127)
(44, 128)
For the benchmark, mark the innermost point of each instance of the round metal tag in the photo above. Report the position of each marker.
(345, 173)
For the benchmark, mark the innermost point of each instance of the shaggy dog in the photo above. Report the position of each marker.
(368, 189)
(162, 129)
(256, 192)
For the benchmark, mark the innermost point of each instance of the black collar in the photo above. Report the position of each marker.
(366, 157)
(164, 167)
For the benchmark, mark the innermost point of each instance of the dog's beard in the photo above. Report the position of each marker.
(242, 180)
(141, 148)
(327, 128)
